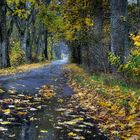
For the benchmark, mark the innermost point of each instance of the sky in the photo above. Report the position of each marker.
(132, 1)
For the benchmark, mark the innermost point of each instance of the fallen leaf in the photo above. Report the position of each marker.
(71, 134)
(44, 131)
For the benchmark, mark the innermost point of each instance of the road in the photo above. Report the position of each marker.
(30, 82)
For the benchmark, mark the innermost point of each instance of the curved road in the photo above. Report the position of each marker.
(30, 82)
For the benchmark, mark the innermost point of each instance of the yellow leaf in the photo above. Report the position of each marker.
(71, 134)
(131, 117)
(44, 131)
(104, 104)
(5, 123)
(6, 111)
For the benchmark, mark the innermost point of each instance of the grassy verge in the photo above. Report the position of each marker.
(112, 103)
(115, 80)
(22, 68)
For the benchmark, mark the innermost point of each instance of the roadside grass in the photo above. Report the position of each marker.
(110, 101)
(22, 68)
(115, 80)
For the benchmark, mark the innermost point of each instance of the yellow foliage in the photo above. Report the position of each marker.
(136, 39)
(132, 66)
(89, 21)
(69, 35)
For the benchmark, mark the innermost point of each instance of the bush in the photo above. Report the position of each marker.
(132, 67)
(16, 54)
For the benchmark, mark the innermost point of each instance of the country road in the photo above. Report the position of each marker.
(30, 82)
(50, 117)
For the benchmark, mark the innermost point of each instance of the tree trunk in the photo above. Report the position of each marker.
(97, 52)
(46, 44)
(32, 39)
(119, 32)
(138, 3)
(23, 43)
(75, 49)
(4, 41)
(37, 45)
(52, 49)
(26, 45)
(85, 54)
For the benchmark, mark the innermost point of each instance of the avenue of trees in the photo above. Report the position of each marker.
(25, 27)
(96, 31)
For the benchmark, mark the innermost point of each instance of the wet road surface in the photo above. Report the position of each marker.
(30, 82)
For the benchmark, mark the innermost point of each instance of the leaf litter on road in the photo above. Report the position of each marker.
(15, 110)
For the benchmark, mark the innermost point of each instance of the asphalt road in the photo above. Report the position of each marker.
(30, 82)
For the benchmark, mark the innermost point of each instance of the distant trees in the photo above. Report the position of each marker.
(84, 31)
(27, 25)
(31, 33)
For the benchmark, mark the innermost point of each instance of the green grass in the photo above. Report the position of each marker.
(113, 80)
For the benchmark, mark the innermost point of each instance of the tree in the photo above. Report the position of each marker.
(138, 3)
(97, 50)
(4, 41)
(119, 31)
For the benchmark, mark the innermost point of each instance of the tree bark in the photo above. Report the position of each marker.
(85, 57)
(138, 3)
(75, 49)
(97, 52)
(46, 44)
(23, 43)
(119, 32)
(4, 41)
(52, 47)
(37, 43)
(26, 45)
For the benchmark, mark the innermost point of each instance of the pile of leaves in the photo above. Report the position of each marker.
(47, 92)
(117, 113)
(15, 109)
